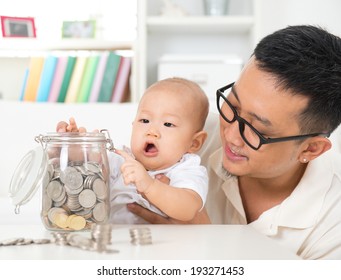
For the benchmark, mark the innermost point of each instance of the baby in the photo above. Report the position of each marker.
(166, 134)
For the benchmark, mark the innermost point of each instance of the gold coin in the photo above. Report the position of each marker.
(77, 223)
(61, 220)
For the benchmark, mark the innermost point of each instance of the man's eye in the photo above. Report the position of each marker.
(144, 121)
(168, 124)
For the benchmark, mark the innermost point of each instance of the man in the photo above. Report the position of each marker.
(275, 170)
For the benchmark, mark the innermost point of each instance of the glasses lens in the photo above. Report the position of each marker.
(249, 134)
(225, 110)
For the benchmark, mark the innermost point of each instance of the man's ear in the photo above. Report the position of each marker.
(315, 147)
(198, 140)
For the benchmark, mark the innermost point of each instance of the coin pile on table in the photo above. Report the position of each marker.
(99, 240)
(140, 236)
(75, 197)
(23, 241)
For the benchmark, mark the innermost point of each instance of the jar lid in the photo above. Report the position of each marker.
(28, 176)
(72, 137)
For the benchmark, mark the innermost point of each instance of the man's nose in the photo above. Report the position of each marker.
(232, 133)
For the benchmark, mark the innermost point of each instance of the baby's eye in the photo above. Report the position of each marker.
(168, 124)
(144, 121)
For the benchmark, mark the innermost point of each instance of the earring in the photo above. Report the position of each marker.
(305, 160)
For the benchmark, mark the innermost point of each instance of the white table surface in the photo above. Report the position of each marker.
(170, 242)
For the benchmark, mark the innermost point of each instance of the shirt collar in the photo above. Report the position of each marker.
(302, 207)
(299, 210)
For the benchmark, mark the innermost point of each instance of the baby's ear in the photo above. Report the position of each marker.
(198, 140)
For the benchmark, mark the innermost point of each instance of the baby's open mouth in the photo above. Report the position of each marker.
(150, 148)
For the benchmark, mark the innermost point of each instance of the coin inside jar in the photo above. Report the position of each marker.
(100, 188)
(76, 194)
(87, 198)
(72, 178)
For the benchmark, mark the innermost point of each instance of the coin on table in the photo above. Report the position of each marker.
(82, 242)
(42, 241)
(25, 241)
(87, 198)
(140, 236)
(11, 241)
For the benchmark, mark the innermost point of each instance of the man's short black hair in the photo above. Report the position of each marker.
(306, 60)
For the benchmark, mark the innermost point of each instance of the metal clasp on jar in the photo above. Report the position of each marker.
(41, 139)
(110, 144)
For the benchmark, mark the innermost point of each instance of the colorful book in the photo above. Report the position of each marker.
(66, 79)
(46, 78)
(96, 85)
(23, 87)
(109, 77)
(58, 78)
(121, 88)
(76, 78)
(88, 77)
(33, 79)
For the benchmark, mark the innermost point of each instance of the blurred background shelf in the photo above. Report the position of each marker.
(27, 44)
(196, 24)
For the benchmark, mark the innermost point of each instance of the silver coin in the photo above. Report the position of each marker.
(26, 241)
(99, 212)
(92, 167)
(47, 203)
(100, 188)
(54, 189)
(87, 198)
(140, 236)
(11, 241)
(71, 177)
(111, 251)
(82, 242)
(42, 241)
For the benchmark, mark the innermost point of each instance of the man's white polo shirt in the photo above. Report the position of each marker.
(308, 222)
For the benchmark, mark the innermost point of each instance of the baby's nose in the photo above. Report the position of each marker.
(153, 133)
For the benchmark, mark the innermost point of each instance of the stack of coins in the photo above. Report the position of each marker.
(75, 197)
(80, 241)
(101, 235)
(99, 241)
(60, 238)
(140, 236)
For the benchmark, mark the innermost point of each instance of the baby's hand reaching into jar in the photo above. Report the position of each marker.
(69, 127)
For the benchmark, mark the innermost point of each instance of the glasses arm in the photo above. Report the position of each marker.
(265, 140)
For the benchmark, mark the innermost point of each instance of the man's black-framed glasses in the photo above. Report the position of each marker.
(250, 135)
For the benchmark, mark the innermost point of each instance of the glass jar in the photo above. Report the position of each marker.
(73, 171)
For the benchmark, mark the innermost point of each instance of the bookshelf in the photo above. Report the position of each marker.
(234, 33)
(115, 30)
(23, 46)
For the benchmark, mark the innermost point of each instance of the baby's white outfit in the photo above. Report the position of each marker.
(187, 173)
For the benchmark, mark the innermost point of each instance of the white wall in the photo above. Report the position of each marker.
(276, 14)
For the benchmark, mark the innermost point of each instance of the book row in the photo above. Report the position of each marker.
(95, 77)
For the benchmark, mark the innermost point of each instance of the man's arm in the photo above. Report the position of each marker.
(153, 218)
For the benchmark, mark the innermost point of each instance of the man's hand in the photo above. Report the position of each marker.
(153, 218)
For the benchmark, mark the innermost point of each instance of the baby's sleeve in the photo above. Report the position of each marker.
(191, 175)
